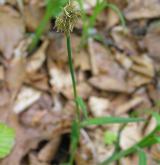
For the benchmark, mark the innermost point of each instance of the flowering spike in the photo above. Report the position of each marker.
(67, 20)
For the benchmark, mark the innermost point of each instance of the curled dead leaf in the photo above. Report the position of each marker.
(11, 30)
(138, 9)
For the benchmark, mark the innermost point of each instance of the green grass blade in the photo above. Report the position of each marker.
(157, 117)
(7, 139)
(109, 120)
(142, 157)
(75, 133)
(147, 141)
(53, 9)
(82, 106)
(97, 10)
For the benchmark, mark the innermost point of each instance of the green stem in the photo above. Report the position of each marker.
(69, 49)
(74, 84)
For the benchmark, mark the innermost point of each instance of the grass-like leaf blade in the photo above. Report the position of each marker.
(53, 9)
(109, 120)
(82, 106)
(7, 138)
(74, 139)
(142, 157)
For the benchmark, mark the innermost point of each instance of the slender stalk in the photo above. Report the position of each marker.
(74, 84)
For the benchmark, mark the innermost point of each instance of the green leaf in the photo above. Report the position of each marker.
(109, 120)
(142, 157)
(100, 6)
(109, 137)
(157, 117)
(7, 139)
(75, 133)
(82, 106)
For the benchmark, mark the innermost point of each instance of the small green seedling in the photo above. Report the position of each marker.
(110, 137)
(7, 140)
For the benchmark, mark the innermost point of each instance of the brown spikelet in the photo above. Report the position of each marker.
(67, 20)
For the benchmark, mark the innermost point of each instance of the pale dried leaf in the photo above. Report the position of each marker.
(143, 65)
(15, 74)
(109, 84)
(37, 59)
(124, 40)
(83, 89)
(102, 151)
(130, 135)
(1, 72)
(125, 61)
(137, 80)
(138, 9)
(129, 105)
(98, 106)
(152, 41)
(48, 152)
(59, 79)
(2, 2)
(11, 30)
(25, 98)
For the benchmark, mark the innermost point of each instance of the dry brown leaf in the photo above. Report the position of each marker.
(98, 106)
(33, 160)
(38, 80)
(130, 135)
(48, 152)
(102, 61)
(33, 14)
(86, 152)
(15, 74)
(112, 18)
(1, 73)
(128, 161)
(152, 41)
(36, 61)
(82, 60)
(154, 92)
(125, 61)
(59, 79)
(110, 84)
(143, 65)
(26, 97)
(124, 108)
(11, 30)
(102, 151)
(138, 9)
(83, 89)
(137, 80)
(124, 40)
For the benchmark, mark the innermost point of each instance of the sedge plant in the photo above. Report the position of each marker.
(65, 23)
